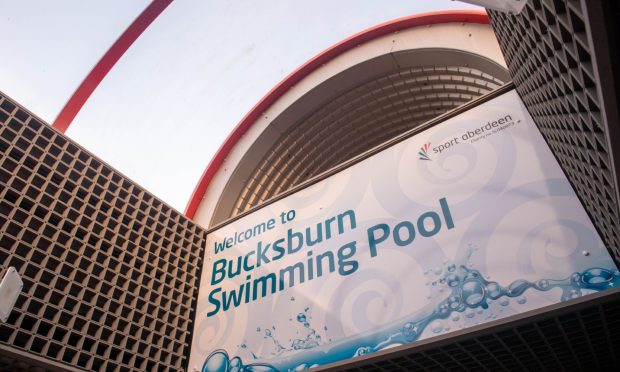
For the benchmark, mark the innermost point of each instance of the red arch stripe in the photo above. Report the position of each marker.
(105, 64)
(465, 16)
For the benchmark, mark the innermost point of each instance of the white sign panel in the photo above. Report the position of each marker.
(469, 221)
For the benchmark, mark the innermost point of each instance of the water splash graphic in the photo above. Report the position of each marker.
(469, 293)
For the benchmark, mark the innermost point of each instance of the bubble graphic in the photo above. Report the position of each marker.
(542, 284)
(472, 292)
(362, 351)
(235, 365)
(494, 290)
(453, 302)
(452, 280)
(410, 331)
(216, 362)
(598, 277)
(573, 294)
(517, 287)
(436, 326)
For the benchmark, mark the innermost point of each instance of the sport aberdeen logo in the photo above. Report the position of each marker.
(424, 151)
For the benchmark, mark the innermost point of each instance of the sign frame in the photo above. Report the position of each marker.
(367, 154)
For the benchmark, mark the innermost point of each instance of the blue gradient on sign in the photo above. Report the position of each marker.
(469, 293)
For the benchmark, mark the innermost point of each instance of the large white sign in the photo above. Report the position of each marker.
(471, 220)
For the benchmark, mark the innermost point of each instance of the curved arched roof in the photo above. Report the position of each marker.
(248, 121)
(322, 129)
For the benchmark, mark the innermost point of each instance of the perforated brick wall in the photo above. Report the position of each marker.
(550, 59)
(110, 272)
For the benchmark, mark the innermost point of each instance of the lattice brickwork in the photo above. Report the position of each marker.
(550, 59)
(110, 271)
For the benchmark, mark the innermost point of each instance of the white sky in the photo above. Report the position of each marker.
(48, 47)
(164, 109)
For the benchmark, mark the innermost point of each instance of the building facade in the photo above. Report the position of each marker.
(561, 56)
(111, 273)
(109, 270)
